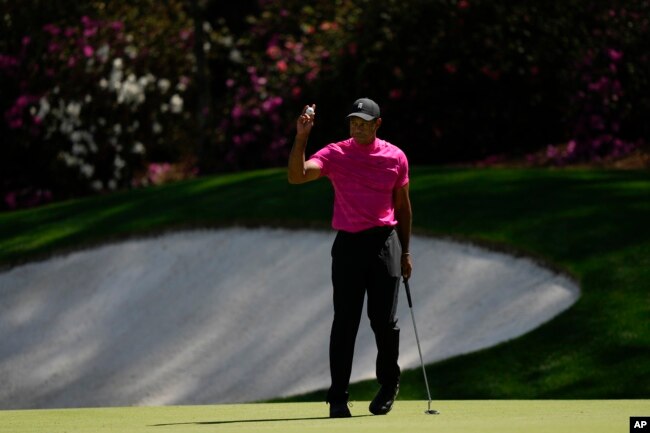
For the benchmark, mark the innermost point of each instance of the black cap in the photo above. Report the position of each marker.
(365, 108)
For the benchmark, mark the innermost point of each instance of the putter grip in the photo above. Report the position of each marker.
(408, 292)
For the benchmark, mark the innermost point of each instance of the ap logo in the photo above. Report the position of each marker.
(640, 424)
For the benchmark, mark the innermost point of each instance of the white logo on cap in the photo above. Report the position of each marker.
(360, 106)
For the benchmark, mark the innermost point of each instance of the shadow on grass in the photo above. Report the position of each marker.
(237, 421)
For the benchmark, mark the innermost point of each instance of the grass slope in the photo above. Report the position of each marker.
(407, 416)
(591, 223)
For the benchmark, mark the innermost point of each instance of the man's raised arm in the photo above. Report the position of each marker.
(301, 171)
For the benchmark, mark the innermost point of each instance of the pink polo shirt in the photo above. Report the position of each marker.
(364, 178)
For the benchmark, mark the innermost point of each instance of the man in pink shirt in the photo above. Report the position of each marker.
(372, 213)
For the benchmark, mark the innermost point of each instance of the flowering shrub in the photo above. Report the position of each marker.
(105, 94)
(598, 124)
(96, 99)
(281, 63)
(456, 80)
(602, 109)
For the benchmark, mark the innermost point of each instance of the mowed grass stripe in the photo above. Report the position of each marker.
(489, 416)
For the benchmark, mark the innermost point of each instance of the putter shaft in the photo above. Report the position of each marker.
(417, 340)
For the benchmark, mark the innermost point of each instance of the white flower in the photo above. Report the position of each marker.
(97, 185)
(88, 99)
(226, 41)
(79, 149)
(164, 108)
(103, 83)
(118, 163)
(235, 56)
(70, 160)
(131, 51)
(206, 46)
(181, 87)
(44, 108)
(156, 128)
(131, 92)
(112, 184)
(103, 52)
(87, 170)
(66, 127)
(176, 104)
(73, 109)
(138, 148)
(118, 63)
(164, 85)
(117, 129)
(145, 80)
(116, 79)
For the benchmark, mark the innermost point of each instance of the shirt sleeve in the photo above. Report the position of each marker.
(402, 171)
(322, 159)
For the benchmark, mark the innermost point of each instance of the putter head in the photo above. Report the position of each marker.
(432, 412)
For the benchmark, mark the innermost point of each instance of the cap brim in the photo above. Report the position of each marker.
(364, 116)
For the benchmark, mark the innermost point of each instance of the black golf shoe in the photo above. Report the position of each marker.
(383, 401)
(339, 410)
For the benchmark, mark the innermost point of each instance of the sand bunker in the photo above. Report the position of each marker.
(235, 315)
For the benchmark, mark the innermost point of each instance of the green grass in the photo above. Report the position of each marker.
(407, 416)
(593, 224)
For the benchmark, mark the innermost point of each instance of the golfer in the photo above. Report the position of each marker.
(372, 214)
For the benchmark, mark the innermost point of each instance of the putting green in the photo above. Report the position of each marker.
(487, 416)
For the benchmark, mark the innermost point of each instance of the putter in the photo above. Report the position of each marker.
(429, 411)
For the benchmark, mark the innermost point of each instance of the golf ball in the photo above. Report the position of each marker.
(309, 111)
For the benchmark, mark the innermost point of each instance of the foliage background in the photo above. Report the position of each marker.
(100, 95)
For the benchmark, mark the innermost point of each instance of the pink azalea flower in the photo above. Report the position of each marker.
(615, 55)
(237, 112)
(282, 66)
(88, 22)
(117, 26)
(274, 52)
(7, 62)
(52, 29)
(15, 123)
(91, 31)
(571, 147)
(450, 68)
(10, 200)
(53, 47)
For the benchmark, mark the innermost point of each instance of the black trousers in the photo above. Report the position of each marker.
(365, 262)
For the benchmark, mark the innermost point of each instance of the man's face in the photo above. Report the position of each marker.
(363, 131)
